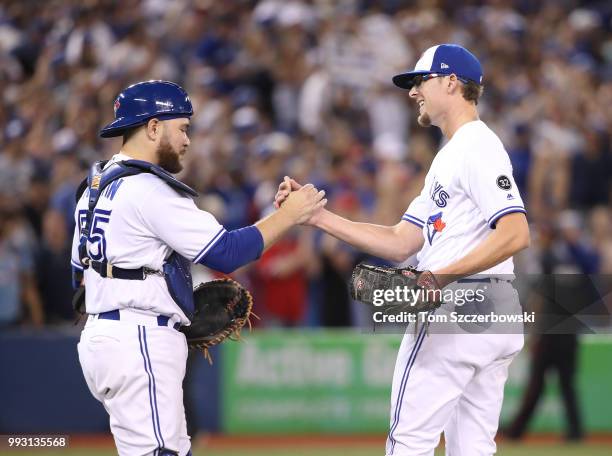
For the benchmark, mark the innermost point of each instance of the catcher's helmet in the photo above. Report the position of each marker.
(142, 101)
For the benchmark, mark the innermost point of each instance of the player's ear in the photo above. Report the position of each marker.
(452, 83)
(153, 129)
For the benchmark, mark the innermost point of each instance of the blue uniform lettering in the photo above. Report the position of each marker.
(112, 188)
(439, 195)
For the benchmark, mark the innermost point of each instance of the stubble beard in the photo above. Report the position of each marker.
(167, 157)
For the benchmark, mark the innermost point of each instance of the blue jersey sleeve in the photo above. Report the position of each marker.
(234, 249)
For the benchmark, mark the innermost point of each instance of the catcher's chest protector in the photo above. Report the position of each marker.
(176, 269)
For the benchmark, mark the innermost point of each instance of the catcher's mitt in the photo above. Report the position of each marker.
(222, 308)
(395, 289)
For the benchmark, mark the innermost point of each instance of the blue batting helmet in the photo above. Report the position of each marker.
(140, 102)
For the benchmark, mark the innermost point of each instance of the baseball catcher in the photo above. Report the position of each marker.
(404, 289)
(222, 308)
(137, 233)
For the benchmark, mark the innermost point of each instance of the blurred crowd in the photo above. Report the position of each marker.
(299, 88)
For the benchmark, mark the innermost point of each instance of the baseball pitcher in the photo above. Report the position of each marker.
(468, 219)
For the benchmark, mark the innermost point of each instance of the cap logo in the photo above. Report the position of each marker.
(443, 66)
(116, 105)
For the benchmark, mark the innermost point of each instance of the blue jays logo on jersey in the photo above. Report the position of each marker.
(435, 225)
(438, 194)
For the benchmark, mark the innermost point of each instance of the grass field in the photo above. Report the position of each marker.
(318, 447)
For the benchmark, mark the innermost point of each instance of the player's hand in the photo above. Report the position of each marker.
(301, 204)
(429, 284)
(285, 187)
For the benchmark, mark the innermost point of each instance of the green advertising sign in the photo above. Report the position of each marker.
(340, 381)
(320, 382)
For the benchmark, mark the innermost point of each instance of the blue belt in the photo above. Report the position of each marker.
(162, 320)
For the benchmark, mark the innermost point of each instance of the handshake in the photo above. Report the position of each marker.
(301, 203)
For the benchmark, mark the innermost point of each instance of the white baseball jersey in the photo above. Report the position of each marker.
(467, 189)
(138, 221)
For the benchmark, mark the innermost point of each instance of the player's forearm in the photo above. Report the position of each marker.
(378, 240)
(274, 226)
(510, 237)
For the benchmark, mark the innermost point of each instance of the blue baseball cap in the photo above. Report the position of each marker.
(443, 59)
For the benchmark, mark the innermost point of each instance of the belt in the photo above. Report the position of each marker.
(485, 280)
(161, 320)
(114, 272)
